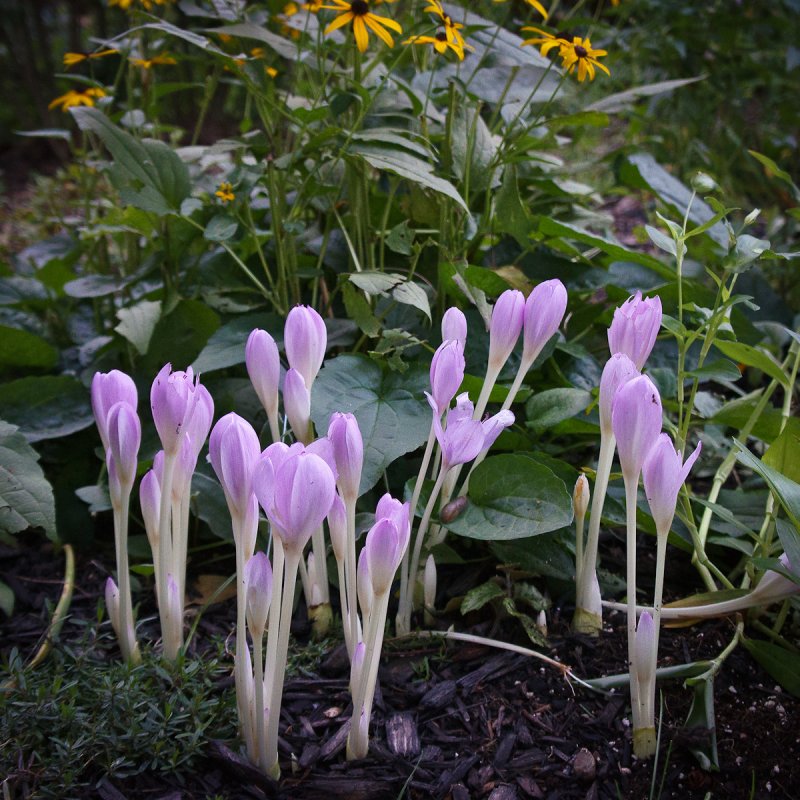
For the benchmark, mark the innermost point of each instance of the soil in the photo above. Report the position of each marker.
(461, 721)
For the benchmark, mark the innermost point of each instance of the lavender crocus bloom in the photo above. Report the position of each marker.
(619, 369)
(173, 397)
(663, 473)
(258, 577)
(544, 310)
(634, 328)
(234, 451)
(385, 546)
(636, 422)
(296, 496)
(348, 452)
(150, 501)
(390, 508)
(645, 654)
(124, 433)
(337, 526)
(454, 325)
(109, 388)
(297, 404)
(505, 326)
(447, 373)
(363, 583)
(305, 340)
(263, 367)
(198, 425)
(464, 438)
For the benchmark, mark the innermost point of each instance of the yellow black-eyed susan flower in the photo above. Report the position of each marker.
(580, 53)
(451, 29)
(148, 63)
(75, 98)
(439, 42)
(147, 5)
(535, 3)
(362, 18)
(71, 59)
(225, 193)
(546, 41)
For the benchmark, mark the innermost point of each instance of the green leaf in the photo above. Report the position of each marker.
(249, 30)
(541, 555)
(477, 597)
(786, 490)
(553, 228)
(6, 595)
(46, 407)
(701, 716)
(400, 238)
(20, 348)
(664, 242)
(226, 346)
(773, 169)
(180, 335)
(552, 406)
(391, 410)
(410, 167)
(149, 174)
(534, 634)
(720, 370)
(209, 505)
(360, 311)
(642, 171)
(472, 148)
(620, 101)
(783, 454)
(137, 323)
(26, 497)
(511, 216)
(95, 286)
(412, 294)
(375, 283)
(781, 664)
(751, 357)
(512, 497)
(220, 228)
(746, 250)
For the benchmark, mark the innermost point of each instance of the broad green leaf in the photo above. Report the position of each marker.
(225, 348)
(472, 148)
(552, 406)
(393, 136)
(400, 238)
(720, 370)
(26, 497)
(643, 171)
(477, 597)
(783, 454)
(751, 357)
(541, 555)
(746, 250)
(46, 407)
(391, 410)
(374, 282)
(773, 169)
(786, 490)
(95, 286)
(359, 310)
(534, 634)
(220, 228)
(512, 497)
(180, 335)
(20, 348)
(620, 101)
(148, 174)
(410, 167)
(554, 228)
(137, 323)
(209, 505)
(780, 663)
(663, 242)
(735, 414)
(511, 215)
(412, 294)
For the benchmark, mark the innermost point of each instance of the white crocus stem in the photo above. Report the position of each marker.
(165, 545)
(403, 621)
(588, 618)
(423, 471)
(278, 668)
(258, 712)
(658, 593)
(127, 634)
(631, 491)
(358, 739)
(183, 549)
(350, 573)
(321, 565)
(274, 619)
(489, 380)
(345, 609)
(274, 425)
(240, 678)
(305, 581)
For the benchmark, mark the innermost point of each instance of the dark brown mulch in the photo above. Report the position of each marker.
(462, 721)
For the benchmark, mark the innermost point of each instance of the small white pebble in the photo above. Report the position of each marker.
(739, 761)
(769, 786)
(776, 770)
(732, 690)
(626, 723)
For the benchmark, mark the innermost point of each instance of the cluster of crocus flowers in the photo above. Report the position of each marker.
(182, 410)
(114, 402)
(358, 12)
(576, 52)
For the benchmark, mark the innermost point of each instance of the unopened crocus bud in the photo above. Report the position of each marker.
(429, 588)
(234, 451)
(348, 452)
(150, 500)
(314, 582)
(505, 326)
(305, 340)
(390, 508)
(297, 404)
(544, 310)
(198, 425)
(337, 526)
(264, 368)
(580, 496)
(124, 437)
(258, 578)
(299, 499)
(634, 328)
(447, 373)
(645, 653)
(172, 401)
(636, 422)
(108, 389)
(541, 622)
(363, 584)
(454, 325)
(112, 604)
(385, 547)
(619, 369)
(663, 473)
(357, 663)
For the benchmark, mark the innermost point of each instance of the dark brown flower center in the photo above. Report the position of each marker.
(441, 36)
(581, 52)
(359, 8)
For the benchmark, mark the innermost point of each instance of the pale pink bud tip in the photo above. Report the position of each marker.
(454, 325)
(234, 451)
(258, 579)
(619, 369)
(636, 422)
(109, 388)
(505, 326)
(173, 398)
(544, 310)
(634, 328)
(264, 367)
(447, 373)
(348, 453)
(305, 340)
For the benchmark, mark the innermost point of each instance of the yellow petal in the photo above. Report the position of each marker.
(538, 6)
(339, 22)
(360, 32)
(380, 32)
(389, 23)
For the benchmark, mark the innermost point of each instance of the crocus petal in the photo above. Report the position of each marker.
(108, 389)
(505, 326)
(297, 404)
(494, 426)
(264, 368)
(447, 373)
(634, 328)
(348, 450)
(619, 369)
(305, 340)
(544, 310)
(124, 437)
(454, 325)
(337, 527)
(636, 422)
(258, 578)
(172, 402)
(234, 451)
(384, 553)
